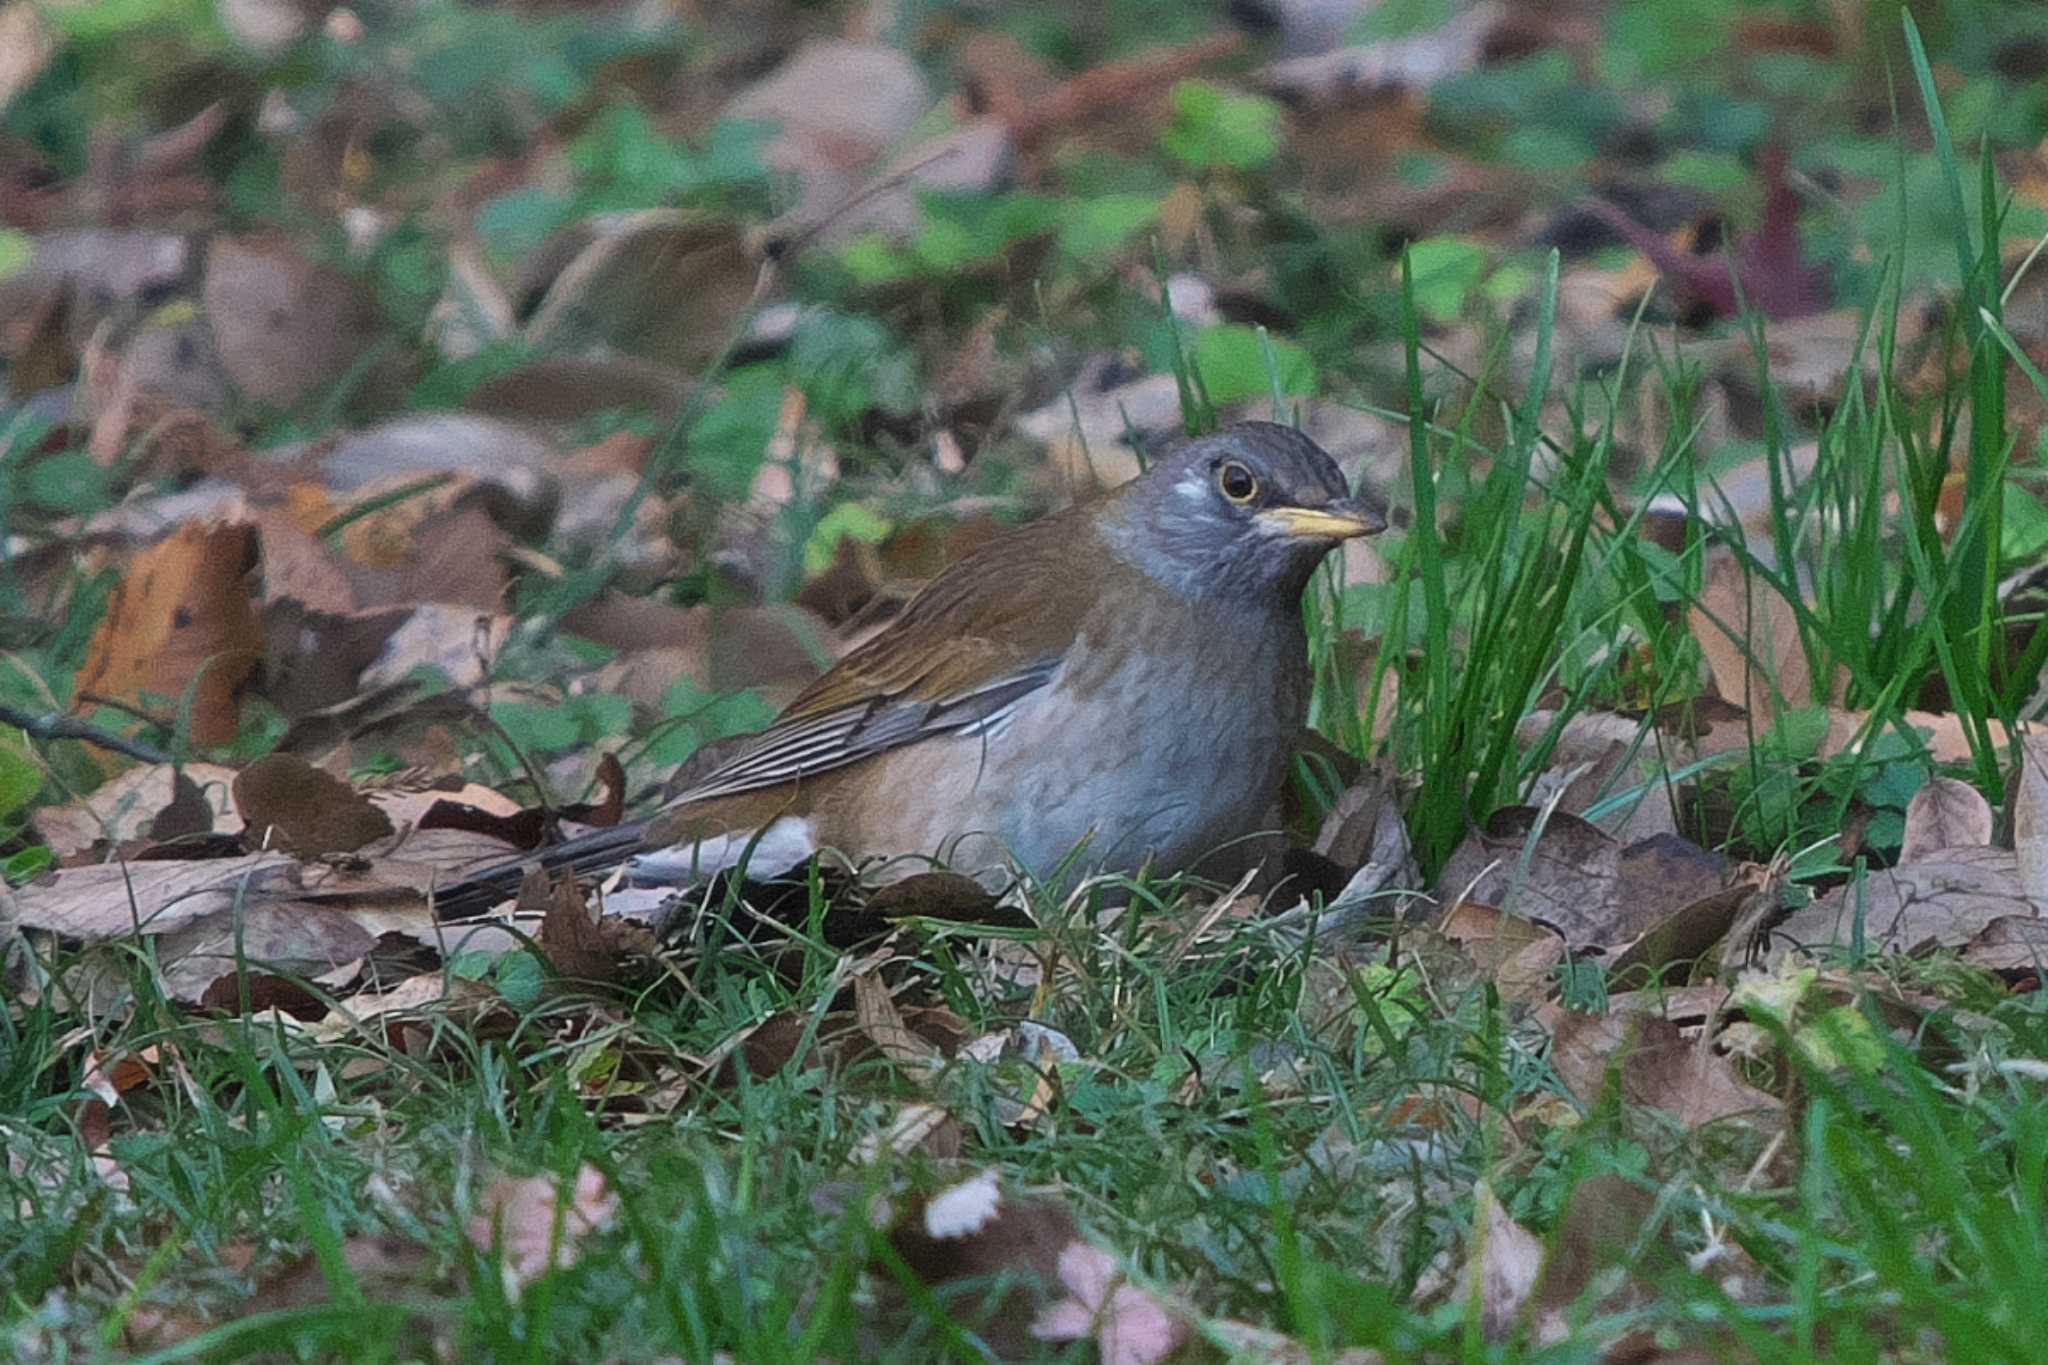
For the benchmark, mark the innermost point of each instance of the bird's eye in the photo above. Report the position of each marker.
(1238, 483)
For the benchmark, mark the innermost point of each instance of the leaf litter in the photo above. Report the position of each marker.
(385, 640)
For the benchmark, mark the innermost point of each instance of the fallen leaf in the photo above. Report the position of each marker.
(383, 1267)
(580, 944)
(951, 897)
(1946, 813)
(1129, 1325)
(2011, 943)
(1768, 265)
(665, 285)
(840, 107)
(1653, 1065)
(1687, 934)
(1566, 873)
(1502, 1266)
(2030, 818)
(1751, 638)
(1943, 900)
(112, 900)
(1520, 955)
(994, 1253)
(126, 807)
(287, 802)
(927, 1129)
(327, 946)
(534, 1225)
(879, 1019)
(182, 618)
(286, 327)
(1562, 874)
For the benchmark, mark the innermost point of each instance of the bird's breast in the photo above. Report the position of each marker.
(1163, 747)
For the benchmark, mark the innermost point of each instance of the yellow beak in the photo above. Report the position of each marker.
(1338, 521)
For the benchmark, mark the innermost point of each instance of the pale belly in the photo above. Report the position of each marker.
(1158, 763)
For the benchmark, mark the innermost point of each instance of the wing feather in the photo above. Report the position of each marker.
(962, 653)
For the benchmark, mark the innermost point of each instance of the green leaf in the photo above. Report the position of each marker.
(1231, 361)
(873, 259)
(1216, 129)
(696, 717)
(1097, 227)
(2023, 531)
(730, 441)
(17, 249)
(20, 778)
(848, 365)
(970, 228)
(570, 724)
(1842, 1037)
(514, 223)
(519, 978)
(70, 481)
(1446, 271)
(28, 864)
(855, 519)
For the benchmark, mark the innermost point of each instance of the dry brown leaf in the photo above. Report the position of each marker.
(1520, 955)
(1690, 931)
(182, 618)
(2012, 943)
(1502, 1266)
(125, 808)
(374, 1013)
(287, 802)
(299, 566)
(535, 1225)
(1598, 755)
(923, 1128)
(326, 946)
(285, 326)
(948, 896)
(383, 1266)
(662, 284)
(762, 1049)
(840, 106)
(2030, 818)
(112, 900)
(975, 1230)
(879, 1019)
(1750, 636)
(1943, 900)
(1568, 882)
(579, 943)
(1130, 1325)
(1946, 813)
(1654, 1066)
(1566, 873)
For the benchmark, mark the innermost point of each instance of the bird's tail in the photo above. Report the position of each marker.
(598, 851)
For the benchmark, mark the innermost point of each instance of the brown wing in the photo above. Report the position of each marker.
(984, 634)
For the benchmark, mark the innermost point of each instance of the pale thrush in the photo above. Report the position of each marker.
(1126, 679)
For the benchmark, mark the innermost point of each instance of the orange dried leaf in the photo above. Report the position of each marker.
(182, 617)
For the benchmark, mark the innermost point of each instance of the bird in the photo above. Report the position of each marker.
(1115, 686)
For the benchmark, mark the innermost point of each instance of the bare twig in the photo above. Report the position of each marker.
(55, 725)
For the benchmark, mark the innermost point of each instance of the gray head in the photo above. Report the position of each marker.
(1246, 512)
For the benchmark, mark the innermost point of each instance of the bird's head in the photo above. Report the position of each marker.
(1248, 511)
